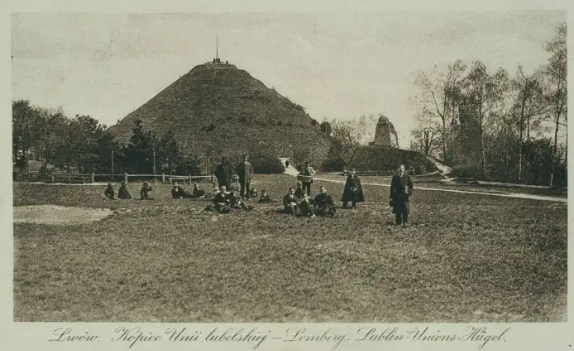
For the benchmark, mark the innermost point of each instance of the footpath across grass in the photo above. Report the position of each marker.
(465, 258)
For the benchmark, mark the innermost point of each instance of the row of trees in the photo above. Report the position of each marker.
(494, 125)
(83, 145)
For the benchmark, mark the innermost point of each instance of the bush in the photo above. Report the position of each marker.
(264, 163)
(464, 171)
(333, 163)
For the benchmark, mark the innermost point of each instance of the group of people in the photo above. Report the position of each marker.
(232, 193)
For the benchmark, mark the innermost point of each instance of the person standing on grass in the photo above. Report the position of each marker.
(309, 172)
(299, 192)
(401, 191)
(353, 191)
(291, 203)
(245, 172)
(223, 173)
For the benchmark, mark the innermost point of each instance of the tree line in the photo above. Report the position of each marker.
(83, 145)
(494, 125)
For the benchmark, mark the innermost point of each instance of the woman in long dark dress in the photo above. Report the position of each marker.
(353, 192)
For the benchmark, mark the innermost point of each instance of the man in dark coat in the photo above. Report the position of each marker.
(353, 191)
(324, 205)
(123, 192)
(198, 192)
(401, 190)
(177, 192)
(291, 203)
(223, 173)
(109, 193)
(245, 173)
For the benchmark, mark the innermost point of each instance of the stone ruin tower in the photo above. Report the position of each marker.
(385, 133)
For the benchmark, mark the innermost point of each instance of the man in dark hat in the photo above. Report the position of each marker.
(291, 203)
(401, 191)
(245, 173)
(223, 173)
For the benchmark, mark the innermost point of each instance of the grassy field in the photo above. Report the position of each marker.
(464, 258)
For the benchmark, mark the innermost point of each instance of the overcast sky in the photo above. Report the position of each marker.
(340, 65)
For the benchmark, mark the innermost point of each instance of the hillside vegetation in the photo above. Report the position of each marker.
(219, 109)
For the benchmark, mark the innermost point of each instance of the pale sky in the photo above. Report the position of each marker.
(340, 65)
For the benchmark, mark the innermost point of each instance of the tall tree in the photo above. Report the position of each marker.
(483, 97)
(140, 150)
(439, 94)
(426, 134)
(557, 79)
(168, 153)
(26, 130)
(528, 105)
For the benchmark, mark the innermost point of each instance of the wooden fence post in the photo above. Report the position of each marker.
(93, 177)
(190, 179)
(163, 177)
(126, 178)
(52, 178)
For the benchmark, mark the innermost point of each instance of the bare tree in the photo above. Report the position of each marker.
(439, 93)
(483, 94)
(557, 86)
(529, 104)
(426, 135)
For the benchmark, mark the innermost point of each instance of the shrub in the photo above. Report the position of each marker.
(464, 171)
(333, 163)
(265, 163)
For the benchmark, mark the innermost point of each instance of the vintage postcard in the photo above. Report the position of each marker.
(287, 176)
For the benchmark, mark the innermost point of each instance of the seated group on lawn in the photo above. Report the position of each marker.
(234, 189)
(321, 205)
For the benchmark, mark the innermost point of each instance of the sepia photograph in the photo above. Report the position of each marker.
(279, 167)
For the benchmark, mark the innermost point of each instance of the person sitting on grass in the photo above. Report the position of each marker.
(291, 203)
(109, 193)
(306, 207)
(299, 192)
(236, 202)
(324, 205)
(177, 192)
(253, 193)
(221, 201)
(123, 192)
(198, 192)
(264, 197)
(144, 192)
